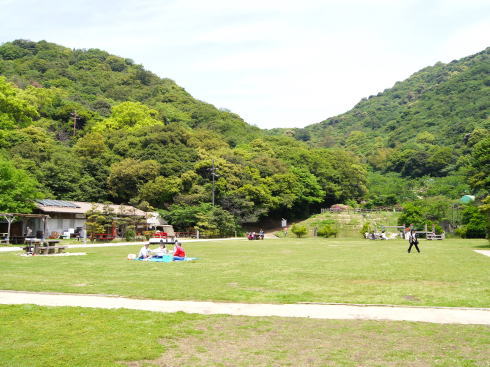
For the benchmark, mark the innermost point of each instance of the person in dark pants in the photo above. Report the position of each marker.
(413, 241)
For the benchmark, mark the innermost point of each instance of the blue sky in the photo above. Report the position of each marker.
(276, 63)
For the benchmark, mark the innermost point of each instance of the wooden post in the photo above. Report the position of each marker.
(44, 228)
(9, 221)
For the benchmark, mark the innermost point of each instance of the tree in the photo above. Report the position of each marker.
(299, 230)
(185, 217)
(17, 189)
(474, 223)
(161, 190)
(130, 116)
(412, 214)
(128, 175)
(14, 111)
(479, 173)
(216, 222)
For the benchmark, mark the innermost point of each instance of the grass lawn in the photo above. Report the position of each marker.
(63, 336)
(445, 273)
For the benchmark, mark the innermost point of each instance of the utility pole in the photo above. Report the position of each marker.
(213, 175)
(75, 118)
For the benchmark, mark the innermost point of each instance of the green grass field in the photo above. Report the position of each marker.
(57, 337)
(445, 273)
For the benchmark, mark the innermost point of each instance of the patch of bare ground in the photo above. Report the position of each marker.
(244, 341)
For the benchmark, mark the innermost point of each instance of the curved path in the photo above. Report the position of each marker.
(439, 315)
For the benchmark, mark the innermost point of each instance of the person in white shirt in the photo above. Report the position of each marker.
(160, 251)
(145, 252)
(413, 241)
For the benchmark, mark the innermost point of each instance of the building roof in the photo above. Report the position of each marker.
(81, 207)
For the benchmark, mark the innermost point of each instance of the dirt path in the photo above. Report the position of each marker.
(439, 315)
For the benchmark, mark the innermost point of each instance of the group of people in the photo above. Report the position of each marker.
(410, 235)
(178, 252)
(255, 235)
(375, 236)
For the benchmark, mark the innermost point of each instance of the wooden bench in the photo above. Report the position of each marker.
(45, 248)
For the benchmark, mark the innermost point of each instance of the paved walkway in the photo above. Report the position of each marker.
(483, 252)
(117, 244)
(439, 315)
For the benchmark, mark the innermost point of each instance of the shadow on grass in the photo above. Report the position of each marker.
(483, 246)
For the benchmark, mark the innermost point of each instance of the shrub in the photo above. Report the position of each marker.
(475, 223)
(327, 231)
(299, 230)
(130, 234)
(366, 227)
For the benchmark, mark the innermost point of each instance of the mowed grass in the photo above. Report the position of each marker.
(35, 336)
(445, 273)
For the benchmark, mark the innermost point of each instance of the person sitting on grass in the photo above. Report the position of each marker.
(145, 252)
(161, 251)
(179, 252)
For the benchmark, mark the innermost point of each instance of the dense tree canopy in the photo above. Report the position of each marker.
(87, 125)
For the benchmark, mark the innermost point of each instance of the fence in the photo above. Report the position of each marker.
(361, 210)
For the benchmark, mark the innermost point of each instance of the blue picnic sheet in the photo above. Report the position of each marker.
(168, 259)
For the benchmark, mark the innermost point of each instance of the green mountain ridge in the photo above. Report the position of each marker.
(445, 99)
(419, 135)
(96, 80)
(89, 126)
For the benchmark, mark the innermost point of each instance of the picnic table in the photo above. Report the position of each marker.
(37, 246)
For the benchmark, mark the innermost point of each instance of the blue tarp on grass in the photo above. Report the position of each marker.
(168, 259)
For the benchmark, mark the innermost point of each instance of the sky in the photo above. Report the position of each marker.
(276, 63)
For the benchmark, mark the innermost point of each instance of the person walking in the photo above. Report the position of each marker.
(413, 241)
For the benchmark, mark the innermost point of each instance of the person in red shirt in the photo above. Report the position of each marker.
(179, 252)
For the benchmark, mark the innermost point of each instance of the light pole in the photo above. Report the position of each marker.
(213, 175)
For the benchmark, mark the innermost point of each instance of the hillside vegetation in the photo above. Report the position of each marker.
(347, 223)
(90, 126)
(424, 136)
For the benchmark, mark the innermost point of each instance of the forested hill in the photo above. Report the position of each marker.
(434, 112)
(93, 80)
(445, 100)
(427, 135)
(89, 126)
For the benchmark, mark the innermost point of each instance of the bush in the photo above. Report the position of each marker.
(299, 230)
(438, 229)
(327, 231)
(130, 234)
(366, 227)
(475, 223)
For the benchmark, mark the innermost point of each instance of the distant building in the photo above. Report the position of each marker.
(67, 216)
